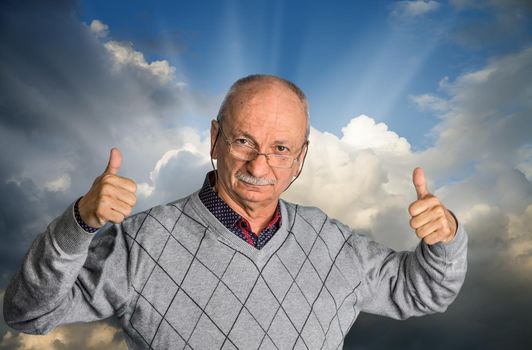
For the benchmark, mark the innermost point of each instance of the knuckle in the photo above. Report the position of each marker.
(106, 178)
(411, 208)
(99, 198)
(100, 213)
(106, 189)
(430, 239)
(103, 198)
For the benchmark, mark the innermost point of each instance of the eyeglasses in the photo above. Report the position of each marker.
(243, 151)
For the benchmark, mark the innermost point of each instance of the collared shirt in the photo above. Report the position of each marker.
(232, 220)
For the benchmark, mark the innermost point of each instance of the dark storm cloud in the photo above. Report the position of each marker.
(495, 22)
(488, 124)
(492, 311)
(65, 99)
(64, 102)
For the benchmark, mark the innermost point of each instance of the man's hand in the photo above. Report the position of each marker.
(111, 197)
(431, 220)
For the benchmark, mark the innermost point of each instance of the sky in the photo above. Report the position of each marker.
(446, 85)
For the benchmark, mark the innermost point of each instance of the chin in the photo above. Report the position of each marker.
(257, 194)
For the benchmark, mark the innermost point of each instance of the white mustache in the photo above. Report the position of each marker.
(252, 180)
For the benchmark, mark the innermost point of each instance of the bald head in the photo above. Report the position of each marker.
(245, 88)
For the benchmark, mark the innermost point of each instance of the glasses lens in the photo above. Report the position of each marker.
(278, 161)
(247, 153)
(243, 152)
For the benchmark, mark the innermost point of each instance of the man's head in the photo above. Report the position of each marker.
(270, 115)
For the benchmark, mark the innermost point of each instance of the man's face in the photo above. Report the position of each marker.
(272, 119)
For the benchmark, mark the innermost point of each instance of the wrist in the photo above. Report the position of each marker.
(80, 220)
(453, 223)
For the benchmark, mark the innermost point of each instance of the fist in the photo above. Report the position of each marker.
(111, 197)
(429, 218)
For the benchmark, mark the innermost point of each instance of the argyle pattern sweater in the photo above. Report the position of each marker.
(176, 278)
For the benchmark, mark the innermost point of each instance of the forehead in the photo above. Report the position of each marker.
(268, 110)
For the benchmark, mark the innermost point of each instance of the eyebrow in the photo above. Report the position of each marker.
(245, 134)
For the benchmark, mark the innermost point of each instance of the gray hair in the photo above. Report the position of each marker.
(240, 83)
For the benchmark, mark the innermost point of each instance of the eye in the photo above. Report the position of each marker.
(243, 142)
(281, 149)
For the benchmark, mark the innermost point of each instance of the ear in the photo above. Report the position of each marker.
(301, 159)
(214, 135)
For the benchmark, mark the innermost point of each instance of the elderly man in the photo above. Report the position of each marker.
(233, 265)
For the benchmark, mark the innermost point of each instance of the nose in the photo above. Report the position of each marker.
(258, 167)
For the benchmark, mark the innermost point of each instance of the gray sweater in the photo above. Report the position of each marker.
(176, 278)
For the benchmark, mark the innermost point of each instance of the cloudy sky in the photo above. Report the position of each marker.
(446, 85)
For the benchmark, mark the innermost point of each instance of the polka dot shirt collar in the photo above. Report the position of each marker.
(231, 219)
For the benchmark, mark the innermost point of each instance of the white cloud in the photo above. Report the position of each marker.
(179, 171)
(125, 55)
(479, 165)
(145, 189)
(94, 336)
(483, 144)
(62, 183)
(99, 28)
(172, 154)
(363, 133)
(414, 8)
(429, 102)
(524, 156)
(362, 178)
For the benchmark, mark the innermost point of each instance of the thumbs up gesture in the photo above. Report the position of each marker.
(111, 197)
(431, 220)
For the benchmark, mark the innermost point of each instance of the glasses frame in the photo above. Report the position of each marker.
(257, 153)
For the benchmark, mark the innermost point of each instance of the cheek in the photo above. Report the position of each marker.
(283, 179)
(228, 166)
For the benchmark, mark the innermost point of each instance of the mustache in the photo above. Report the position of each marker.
(252, 180)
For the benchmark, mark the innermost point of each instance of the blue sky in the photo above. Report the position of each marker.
(446, 85)
(351, 57)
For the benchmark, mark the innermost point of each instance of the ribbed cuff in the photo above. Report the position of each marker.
(80, 221)
(70, 236)
(453, 248)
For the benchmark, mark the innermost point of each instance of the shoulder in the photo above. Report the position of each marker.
(317, 218)
(310, 214)
(160, 217)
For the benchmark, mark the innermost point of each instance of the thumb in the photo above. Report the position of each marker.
(418, 177)
(115, 160)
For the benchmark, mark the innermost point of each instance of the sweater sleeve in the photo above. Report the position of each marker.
(409, 283)
(68, 275)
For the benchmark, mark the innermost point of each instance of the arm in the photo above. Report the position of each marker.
(404, 284)
(67, 276)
